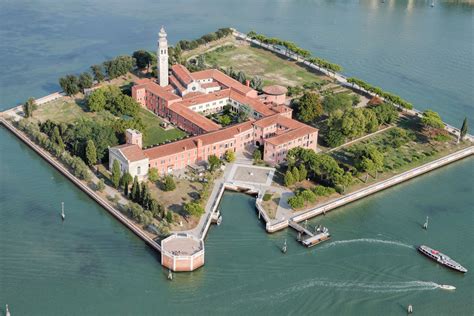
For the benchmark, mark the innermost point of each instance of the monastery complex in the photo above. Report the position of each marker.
(183, 99)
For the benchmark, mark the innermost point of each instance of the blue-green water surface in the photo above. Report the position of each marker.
(92, 265)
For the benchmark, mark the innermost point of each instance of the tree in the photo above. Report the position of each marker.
(118, 66)
(214, 162)
(464, 129)
(96, 101)
(98, 72)
(289, 179)
(115, 173)
(135, 192)
(225, 120)
(257, 155)
(194, 209)
(91, 153)
(344, 180)
(168, 183)
(28, 107)
(335, 138)
(85, 81)
(432, 120)
(244, 113)
(70, 84)
(372, 122)
(155, 208)
(369, 159)
(100, 185)
(125, 182)
(308, 196)
(241, 77)
(309, 107)
(230, 156)
(256, 83)
(296, 201)
(386, 113)
(153, 174)
(334, 102)
(143, 59)
(145, 196)
(57, 139)
(353, 123)
(302, 172)
(296, 174)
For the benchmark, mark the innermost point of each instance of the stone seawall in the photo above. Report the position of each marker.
(46, 156)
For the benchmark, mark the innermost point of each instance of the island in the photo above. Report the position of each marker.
(156, 138)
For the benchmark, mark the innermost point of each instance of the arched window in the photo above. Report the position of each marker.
(139, 169)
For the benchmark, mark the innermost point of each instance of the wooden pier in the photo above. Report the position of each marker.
(313, 238)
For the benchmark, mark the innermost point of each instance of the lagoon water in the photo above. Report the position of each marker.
(91, 264)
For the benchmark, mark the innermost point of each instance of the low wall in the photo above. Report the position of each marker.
(116, 213)
(48, 98)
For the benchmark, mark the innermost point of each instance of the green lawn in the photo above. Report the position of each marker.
(67, 110)
(154, 133)
(257, 61)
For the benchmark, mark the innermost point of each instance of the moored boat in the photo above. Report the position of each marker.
(441, 258)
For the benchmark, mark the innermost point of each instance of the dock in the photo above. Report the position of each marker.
(313, 238)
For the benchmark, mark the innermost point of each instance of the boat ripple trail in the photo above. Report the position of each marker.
(367, 240)
(379, 287)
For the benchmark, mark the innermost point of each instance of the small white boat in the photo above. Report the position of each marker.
(7, 311)
(170, 275)
(447, 287)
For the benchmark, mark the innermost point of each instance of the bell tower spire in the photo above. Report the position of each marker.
(162, 56)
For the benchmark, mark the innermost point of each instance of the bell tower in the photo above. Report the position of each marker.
(162, 56)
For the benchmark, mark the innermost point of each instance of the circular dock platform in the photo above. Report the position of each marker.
(182, 252)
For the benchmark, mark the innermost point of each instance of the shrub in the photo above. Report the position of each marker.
(267, 196)
(153, 174)
(320, 190)
(168, 184)
(169, 217)
(194, 208)
(296, 201)
(308, 196)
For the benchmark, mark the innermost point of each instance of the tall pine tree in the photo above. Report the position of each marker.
(116, 174)
(464, 128)
(91, 153)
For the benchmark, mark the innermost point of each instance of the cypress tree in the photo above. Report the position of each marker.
(116, 174)
(135, 194)
(296, 174)
(91, 153)
(303, 173)
(464, 128)
(289, 180)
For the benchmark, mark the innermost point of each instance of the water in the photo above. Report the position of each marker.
(91, 264)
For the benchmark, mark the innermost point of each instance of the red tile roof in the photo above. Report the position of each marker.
(205, 98)
(175, 83)
(191, 143)
(255, 104)
(212, 84)
(202, 122)
(132, 152)
(157, 90)
(291, 135)
(280, 120)
(182, 73)
(275, 90)
(222, 78)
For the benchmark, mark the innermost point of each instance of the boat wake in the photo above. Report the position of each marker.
(372, 287)
(366, 240)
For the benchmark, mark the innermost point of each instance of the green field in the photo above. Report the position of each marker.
(253, 61)
(68, 110)
(154, 133)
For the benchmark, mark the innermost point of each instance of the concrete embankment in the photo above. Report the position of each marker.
(50, 159)
(405, 176)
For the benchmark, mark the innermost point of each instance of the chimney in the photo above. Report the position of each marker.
(238, 129)
(247, 83)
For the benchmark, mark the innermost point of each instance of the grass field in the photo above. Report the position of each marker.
(154, 133)
(67, 110)
(253, 61)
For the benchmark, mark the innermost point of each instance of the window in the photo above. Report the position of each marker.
(139, 170)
